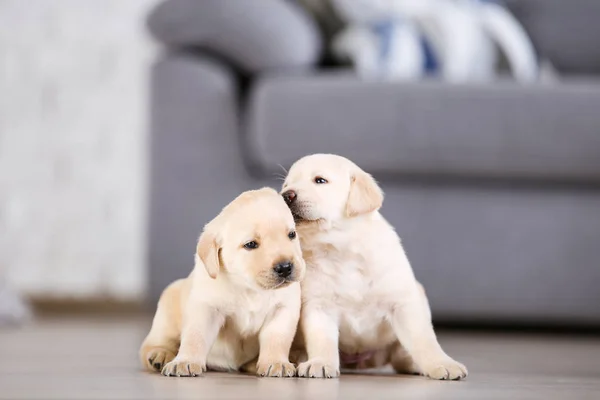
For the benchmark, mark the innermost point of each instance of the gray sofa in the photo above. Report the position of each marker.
(495, 188)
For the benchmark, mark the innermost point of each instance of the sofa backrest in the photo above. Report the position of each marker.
(566, 32)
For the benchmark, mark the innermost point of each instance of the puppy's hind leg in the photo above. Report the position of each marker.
(162, 343)
(411, 321)
(250, 367)
(402, 362)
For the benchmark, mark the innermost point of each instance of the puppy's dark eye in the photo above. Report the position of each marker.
(292, 235)
(319, 180)
(251, 245)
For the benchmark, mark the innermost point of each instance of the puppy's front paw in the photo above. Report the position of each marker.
(316, 368)
(445, 368)
(183, 368)
(157, 357)
(276, 369)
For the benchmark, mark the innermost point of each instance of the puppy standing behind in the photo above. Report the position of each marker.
(359, 292)
(242, 300)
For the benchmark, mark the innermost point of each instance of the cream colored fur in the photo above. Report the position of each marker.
(233, 312)
(359, 294)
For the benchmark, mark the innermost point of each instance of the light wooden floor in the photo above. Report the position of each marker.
(77, 359)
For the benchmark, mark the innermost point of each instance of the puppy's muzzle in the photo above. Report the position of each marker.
(289, 197)
(284, 269)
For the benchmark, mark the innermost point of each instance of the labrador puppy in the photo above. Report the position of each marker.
(239, 308)
(359, 294)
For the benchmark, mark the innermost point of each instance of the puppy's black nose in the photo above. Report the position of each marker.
(284, 269)
(289, 197)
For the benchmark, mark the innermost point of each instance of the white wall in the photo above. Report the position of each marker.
(73, 144)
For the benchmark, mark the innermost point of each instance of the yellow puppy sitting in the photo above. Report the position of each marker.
(239, 308)
(361, 302)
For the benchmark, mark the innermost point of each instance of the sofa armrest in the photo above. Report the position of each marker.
(196, 164)
(254, 35)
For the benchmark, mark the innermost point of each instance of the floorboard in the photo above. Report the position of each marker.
(63, 358)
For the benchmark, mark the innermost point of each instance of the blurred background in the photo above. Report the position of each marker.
(74, 148)
(126, 125)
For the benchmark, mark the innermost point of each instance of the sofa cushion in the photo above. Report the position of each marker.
(256, 35)
(499, 130)
(564, 31)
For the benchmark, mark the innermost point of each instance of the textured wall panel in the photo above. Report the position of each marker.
(73, 146)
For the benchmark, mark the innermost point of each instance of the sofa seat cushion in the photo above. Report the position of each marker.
(499, 130)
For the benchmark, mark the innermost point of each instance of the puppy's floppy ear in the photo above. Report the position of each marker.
(208, 251)
(365, 195)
